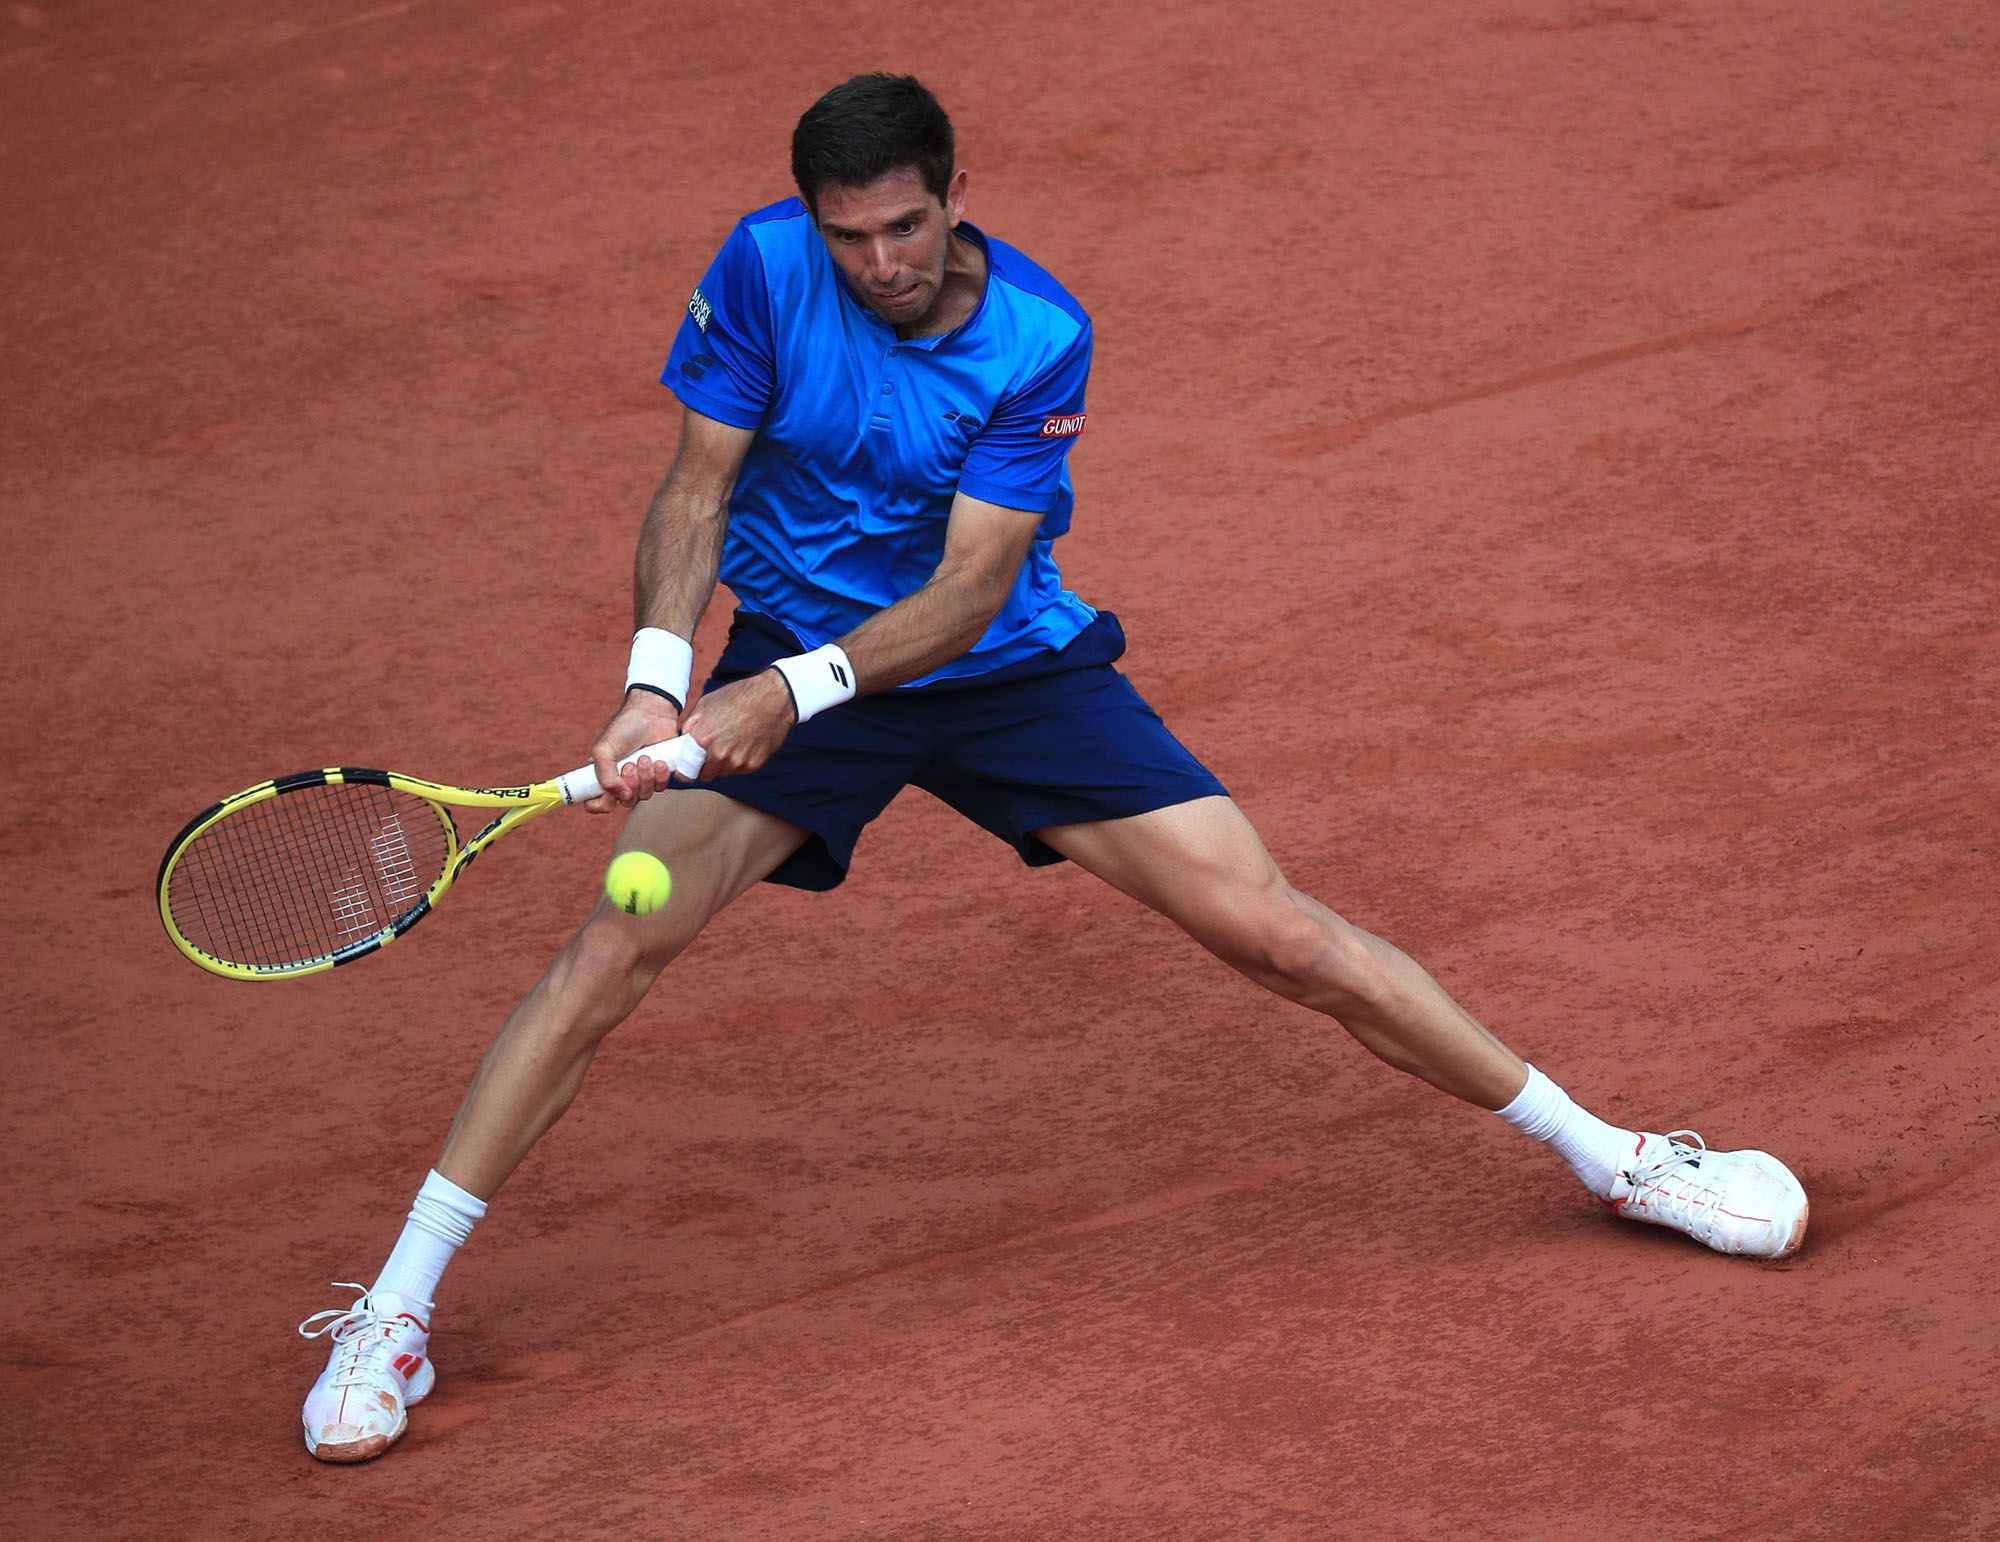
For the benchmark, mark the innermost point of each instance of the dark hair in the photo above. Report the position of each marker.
(866, 128)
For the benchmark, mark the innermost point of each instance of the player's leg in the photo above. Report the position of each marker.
(1202, 865)
(795, 820)
(716, 847)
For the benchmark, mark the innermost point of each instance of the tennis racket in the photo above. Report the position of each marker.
(304, 872)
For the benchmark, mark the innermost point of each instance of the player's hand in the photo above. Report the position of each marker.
(644, 719)
(742, 724)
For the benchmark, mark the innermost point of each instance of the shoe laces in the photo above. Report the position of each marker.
(1689, 1196)
(364, 1334)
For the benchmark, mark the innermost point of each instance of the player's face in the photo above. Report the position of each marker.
(890, 239)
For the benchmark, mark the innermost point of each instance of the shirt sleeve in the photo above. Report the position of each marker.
(722, 363)
(1017, 460)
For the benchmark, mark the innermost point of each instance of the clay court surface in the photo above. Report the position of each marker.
(1544, 455)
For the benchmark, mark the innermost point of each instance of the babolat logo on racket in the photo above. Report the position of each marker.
(1062, 428)
(700, 309)
(523, 793)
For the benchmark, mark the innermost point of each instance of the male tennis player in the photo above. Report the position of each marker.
(880, 401)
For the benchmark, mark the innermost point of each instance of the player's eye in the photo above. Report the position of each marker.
(906, 227)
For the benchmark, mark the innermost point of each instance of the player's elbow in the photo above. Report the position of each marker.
(694, 508)
(981, 616)
(981, 588)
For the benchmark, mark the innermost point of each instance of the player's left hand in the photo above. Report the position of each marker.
(643, 718)
(741, 724)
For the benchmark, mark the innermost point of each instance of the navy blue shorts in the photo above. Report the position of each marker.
(1053, 740)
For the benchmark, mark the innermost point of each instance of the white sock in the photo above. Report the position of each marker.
(440, 1221)
(1594, 1150)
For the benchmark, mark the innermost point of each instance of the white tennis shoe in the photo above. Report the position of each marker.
(380, 1368)
(1735, 1201)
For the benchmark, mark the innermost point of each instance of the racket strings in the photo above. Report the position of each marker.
(300, 876)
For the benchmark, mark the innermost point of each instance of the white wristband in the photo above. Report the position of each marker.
(661, 663)
(817, 680)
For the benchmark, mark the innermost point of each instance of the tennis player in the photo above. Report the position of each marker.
(880, 404)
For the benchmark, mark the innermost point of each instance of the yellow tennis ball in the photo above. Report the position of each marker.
(638, 882)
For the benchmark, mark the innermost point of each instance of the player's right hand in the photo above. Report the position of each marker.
(645, 718)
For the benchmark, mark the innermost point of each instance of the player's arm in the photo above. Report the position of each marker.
(680, 543)
(984, 547)
(673, 578)
(742, 725)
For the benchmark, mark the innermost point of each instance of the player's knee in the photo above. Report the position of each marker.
(1320, 961)
(611, 967)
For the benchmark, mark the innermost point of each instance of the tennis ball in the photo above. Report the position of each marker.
(638, 882)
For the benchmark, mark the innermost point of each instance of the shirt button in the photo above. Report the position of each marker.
(888, 389)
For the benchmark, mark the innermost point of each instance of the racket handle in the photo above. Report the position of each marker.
(682, 753)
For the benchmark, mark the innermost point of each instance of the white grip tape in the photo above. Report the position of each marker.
(820, 679)
(662, 660)
(682, 754)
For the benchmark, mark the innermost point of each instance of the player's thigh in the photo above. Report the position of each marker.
(715, 847)
(1200, 863)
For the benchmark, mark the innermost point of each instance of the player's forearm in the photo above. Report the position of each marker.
(925, 630)
(680, 553)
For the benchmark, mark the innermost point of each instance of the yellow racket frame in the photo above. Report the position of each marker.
(518, 805)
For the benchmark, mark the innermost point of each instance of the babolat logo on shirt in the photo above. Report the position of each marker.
(700, 309)
(1059, 428)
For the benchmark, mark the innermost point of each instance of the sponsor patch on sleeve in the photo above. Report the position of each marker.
(699, 308)
(1063, 428)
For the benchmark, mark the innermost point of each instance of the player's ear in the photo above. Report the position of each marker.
(954, 197)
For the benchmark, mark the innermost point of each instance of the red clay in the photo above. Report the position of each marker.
(1544, 455)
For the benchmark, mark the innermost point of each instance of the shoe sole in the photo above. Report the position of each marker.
(1798, 1235)
(1783, 1174)
(365, 1450)
(372, 1446)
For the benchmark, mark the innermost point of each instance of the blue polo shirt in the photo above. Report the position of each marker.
(863, 438)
